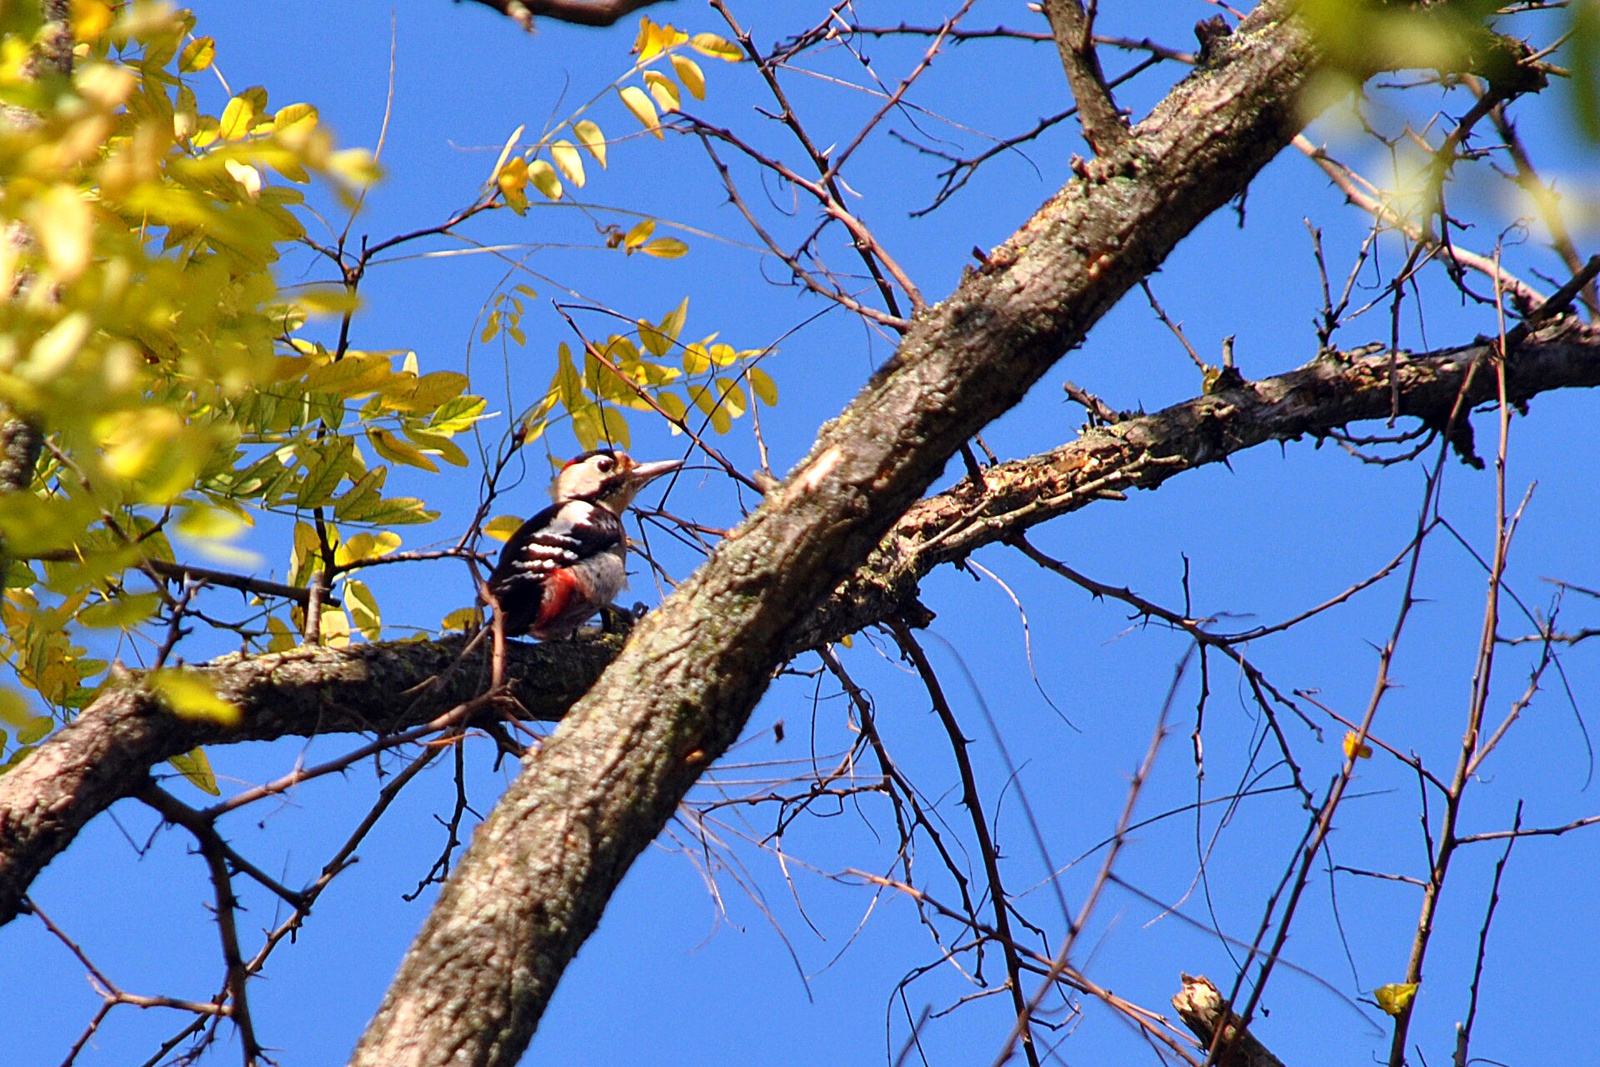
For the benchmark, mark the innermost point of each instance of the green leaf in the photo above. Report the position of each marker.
(456, 415)
(445, 448)
(460, 619)
(121, 612)
(195, 765)
(395, 450)
(396, 511)
(325, 468)
(672, 325)
(501, 527)
(363, 608)
(1583, 57)
(1395, 997)
(364, 494)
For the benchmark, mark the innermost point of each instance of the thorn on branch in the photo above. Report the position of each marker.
(1211, 33)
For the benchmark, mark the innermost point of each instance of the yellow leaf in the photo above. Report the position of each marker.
(569, 161)
(666, 248)
(513, 179)
(365, 546)
(643, 110)
(502, 527)
(421, 396)
(1395, 997)
(283, 638)
(460, 619)
(674, 406)
(395, 450)
(542, 176)
(693, 78)
(335, 628)
(153, 449)
(762, 385)
(709, 44)
(196, 766)
(672, 325)
(296, 118)
(437, 444)
(64, 224)
(1352, 750)
(363, 609)
(655, 342)
(192, 696)
(14, 708)
(637, 236)
(197, 55)
(354, 165)
(589, 135)
(664, 89)
(653, 39)
(121, 612)
(90, 19)
(53, 353)
(330, 300)
(731, 398)
(237, 117)
(505, 151)
(695, 359)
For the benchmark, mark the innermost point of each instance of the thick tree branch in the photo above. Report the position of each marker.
(1104, 127)
(1143, 451)
(103, 755)
(540, 870)
(535, 880)
(1203, 1010)
(106, 753)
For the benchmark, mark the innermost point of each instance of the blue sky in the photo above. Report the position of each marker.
(806, 967)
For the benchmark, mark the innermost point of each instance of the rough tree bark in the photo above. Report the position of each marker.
(535, 880)
(106, 753)
(540, 870)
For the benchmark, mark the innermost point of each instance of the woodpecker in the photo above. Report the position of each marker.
(567, 562)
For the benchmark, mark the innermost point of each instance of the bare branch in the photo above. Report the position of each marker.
(1104, 127)
(83, 768)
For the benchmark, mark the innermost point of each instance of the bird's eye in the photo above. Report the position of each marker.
(605, 463)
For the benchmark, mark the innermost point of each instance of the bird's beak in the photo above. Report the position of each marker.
(644, 473)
